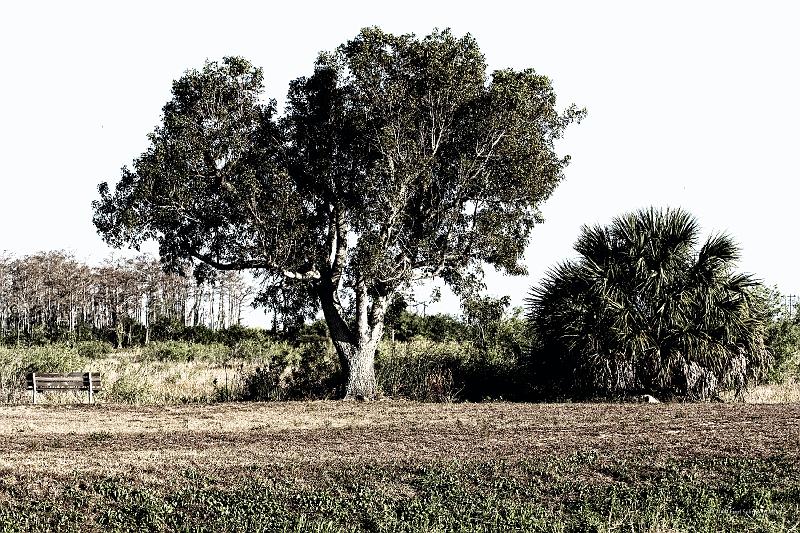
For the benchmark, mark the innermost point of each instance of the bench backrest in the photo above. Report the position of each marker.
(61, 381)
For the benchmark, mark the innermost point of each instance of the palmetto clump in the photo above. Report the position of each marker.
(642, 309)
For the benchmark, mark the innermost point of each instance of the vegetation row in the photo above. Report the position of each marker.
(545, 494)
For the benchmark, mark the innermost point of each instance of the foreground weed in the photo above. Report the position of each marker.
(542, 495)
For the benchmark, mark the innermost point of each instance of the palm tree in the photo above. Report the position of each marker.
(643, 310)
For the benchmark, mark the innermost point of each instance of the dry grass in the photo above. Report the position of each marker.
(788, 392)
(229, 438)
(127, 378)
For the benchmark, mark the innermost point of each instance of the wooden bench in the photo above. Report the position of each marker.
(41, 382)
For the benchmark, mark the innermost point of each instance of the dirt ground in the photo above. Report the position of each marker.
(149, 442)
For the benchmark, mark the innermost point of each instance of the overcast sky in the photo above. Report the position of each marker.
(691, 104)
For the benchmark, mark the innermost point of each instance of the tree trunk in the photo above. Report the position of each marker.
(355, 347)
(359, 370)
(119, 330)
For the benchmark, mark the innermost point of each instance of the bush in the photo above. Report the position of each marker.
(260, 350)
(781, 337)
(308, 372)
(438, 327)
(237, 334)
(783, 341)
(643, 309)
(131, 387)
(199, 334)
(267, 381)
(93, 349)
(17, 363)
(317, 374)
(263, 384)
(166, 329)
(419, 370)
(50, 358)
(313, 332)
(444, 372)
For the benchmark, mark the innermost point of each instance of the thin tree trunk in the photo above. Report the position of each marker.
(118, 328)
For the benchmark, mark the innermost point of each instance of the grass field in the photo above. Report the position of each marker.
(401, 466)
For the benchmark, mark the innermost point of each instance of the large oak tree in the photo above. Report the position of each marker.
(397, 159)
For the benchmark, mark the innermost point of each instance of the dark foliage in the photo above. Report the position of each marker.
(644, 310)
(437, 327)
(310, 373)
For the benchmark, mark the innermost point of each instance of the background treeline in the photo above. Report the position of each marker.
(52, 297)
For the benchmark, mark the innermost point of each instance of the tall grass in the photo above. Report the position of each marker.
(15, 364)
(173, 372)
(430, 371)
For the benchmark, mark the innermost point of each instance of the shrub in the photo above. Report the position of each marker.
(263, 384)
(200, 334)
(50, 358)
(443, 372)
(16, 363)
(783, 341)
(316, 375)
(782, 337)
(266, 381)
(237, 334)
(437, 327)
(131, 387)
(93, 349)
(259, 350)
(308, 372)
(165, 329)
(420, 370)
(643, 310)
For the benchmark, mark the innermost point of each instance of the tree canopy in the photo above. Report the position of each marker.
(398, 159)
(643, 309)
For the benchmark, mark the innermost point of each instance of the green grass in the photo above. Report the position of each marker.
(581, 493)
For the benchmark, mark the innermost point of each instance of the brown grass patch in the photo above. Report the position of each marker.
(227, 439)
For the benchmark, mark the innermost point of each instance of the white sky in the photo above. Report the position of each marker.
(692, 104)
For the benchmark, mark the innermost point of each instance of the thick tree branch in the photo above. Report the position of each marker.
(332, 310)
(377, 313)
(244, 264)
